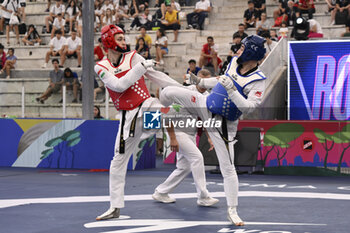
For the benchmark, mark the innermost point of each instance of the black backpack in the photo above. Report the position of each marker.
(22, 28)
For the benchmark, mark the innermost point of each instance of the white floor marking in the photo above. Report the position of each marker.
(151, 225)
(5, 203)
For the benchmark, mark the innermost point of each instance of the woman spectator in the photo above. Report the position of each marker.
(122, 10)
(97, 113)
(263, 24)
(9, 7)
(98, 9)
(71, 81)
(161, 46)
(109, 18)
(107, 5)
(32, 36)
(79, 24)
(333, 9)
(10, 63)
(142, 48)
(72, 12)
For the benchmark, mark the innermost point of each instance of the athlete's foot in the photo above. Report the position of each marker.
(110, 213)
(162, 197)
(233, 216)
(208, 201)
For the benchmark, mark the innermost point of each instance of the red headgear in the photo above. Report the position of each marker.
(107, 37)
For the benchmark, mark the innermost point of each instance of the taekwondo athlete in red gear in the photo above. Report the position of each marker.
(123, 74)
(239, 91)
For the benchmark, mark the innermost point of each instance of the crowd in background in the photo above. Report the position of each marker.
(64, 25)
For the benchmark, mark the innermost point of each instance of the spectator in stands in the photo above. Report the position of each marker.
(79, 24)
(98, 9)
(250, 15)
(142, 3)
(269, 44)
(175, 5)
(263, 24)
(307, 7)
(122, 10)
(107, 5)
(161, 46)
(99, 51)
(192, 67)
(201, 11)
(72, 83)
(347, 29)
(133, 9)
(56, 47)
(32, 37)
(98, 89)
(72, 13)
(10, 62)
(292, 12)
(56, 9)
(240, 31)
(142, 19)
(161, 4)
(332, 8)
(55, 82)
(281, 13)
(283, 31)
(97, 113)
(145, 36)
(209, 55)
(225, 64)
(8, 7)
(236, 45)
(273, 35)
(171, 21)
(109, 18)
(260, 7)
(2, 57)
(58, 24)
(142, 48)
(343, 5)
(22, 7)
(48, 6)
(72, 48)
(315, 29)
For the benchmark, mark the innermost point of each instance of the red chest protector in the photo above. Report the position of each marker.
(135, 94)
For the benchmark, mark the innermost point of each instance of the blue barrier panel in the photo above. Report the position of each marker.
(79, 144)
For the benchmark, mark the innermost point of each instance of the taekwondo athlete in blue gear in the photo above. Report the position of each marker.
(218, 102)
(239, 91)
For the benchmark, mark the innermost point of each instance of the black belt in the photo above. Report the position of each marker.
(224, 135)
(131, 132)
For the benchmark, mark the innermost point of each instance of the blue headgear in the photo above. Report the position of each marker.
(253, 49)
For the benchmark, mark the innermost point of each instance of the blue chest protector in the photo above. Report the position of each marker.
(218, 101)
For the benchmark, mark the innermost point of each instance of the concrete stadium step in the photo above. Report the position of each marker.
(37, 62)
(14, 85)
(176, 48)
(33, 73)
